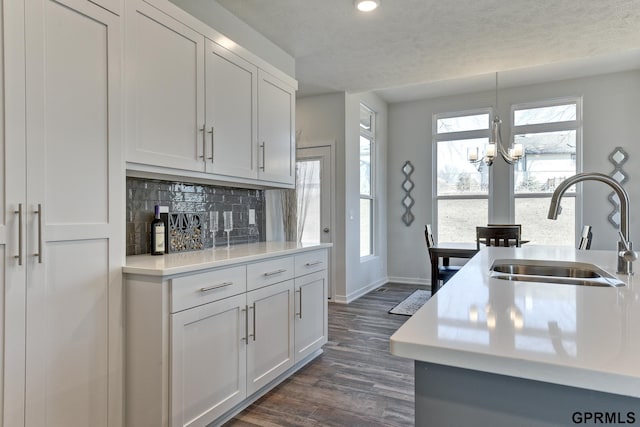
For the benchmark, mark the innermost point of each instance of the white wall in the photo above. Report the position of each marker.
(368, 273)
(611, 117)
(322, 118)
(336, 117)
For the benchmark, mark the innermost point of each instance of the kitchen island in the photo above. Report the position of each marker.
(500, 352)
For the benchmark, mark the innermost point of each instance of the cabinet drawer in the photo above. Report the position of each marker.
(268, 272)
(310, 262)
(201, 288)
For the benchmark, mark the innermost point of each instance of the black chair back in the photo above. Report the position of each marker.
(498, 236)
(428, 235)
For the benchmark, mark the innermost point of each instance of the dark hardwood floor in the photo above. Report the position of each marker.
(355, 382)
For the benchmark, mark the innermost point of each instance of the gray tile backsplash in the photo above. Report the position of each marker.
(144, 194)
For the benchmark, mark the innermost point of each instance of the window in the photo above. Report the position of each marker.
(461, 188)
(367, 163)
(550, 135)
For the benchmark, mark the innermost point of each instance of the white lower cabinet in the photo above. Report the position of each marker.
(311, 314)
(270, 348)
(202, 346)
(208, 347)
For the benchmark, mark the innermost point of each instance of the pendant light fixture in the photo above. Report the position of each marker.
(495, 146)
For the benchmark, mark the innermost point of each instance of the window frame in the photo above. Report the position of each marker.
(456, 136)
(567, 125)
(369, 134)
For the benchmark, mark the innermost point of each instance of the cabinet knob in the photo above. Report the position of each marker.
(326, 229)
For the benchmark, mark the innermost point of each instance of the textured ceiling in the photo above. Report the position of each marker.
(409, 42)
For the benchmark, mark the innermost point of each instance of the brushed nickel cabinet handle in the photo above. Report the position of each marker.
(39, 213)
(19, 212)
(204, 141)
(246, 324)
(212, 144)
(221, 285)
(311, 264)
(300, 312)
(254, 321)
(253, 306)
(263, 154)
(273, 273)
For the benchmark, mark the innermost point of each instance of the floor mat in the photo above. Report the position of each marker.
(411, 304)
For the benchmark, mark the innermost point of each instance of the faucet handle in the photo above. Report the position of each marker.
(629, 255)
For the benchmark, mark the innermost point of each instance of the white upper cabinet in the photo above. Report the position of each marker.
(165, 90)
(276, 109)
(230, 83)
(200, 106)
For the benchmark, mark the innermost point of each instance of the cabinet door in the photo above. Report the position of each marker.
(270, 347)
(276, 109)
(164, 87)
(73, 215)
(12, 225)
(208, 361)
(230, 105)
(311, 314)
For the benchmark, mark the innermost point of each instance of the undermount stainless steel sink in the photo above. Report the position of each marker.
(561, 272)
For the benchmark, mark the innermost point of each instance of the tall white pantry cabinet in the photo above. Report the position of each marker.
(60, 232)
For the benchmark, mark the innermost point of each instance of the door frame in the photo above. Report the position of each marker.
(328, 145)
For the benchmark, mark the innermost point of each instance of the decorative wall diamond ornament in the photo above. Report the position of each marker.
(618, 157)
(407, 200)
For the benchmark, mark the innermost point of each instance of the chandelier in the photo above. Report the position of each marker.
(495, 146)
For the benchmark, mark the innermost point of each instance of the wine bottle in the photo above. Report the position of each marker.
(157, 234)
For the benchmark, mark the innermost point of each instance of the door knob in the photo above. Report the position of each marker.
(326, 229)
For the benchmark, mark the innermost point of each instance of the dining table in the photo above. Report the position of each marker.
(448, 250)
(445, 251)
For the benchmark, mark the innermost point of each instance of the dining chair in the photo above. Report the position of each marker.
(585, 238)
(445, 271)
(509, 225)
(498, 236)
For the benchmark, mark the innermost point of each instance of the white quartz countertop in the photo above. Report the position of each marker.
(170, 264)
(580, 336)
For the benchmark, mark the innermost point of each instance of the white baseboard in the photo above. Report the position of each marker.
(342, 299)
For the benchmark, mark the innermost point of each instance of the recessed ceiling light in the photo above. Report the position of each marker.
(366, 5)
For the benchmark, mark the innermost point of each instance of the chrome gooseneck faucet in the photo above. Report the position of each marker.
(626, 255)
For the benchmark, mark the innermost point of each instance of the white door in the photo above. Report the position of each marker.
(315, 191)
(208, 361)
(270, 344)
(73, 215)
(230, 105)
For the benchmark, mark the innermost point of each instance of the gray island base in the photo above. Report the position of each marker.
(456, 397)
